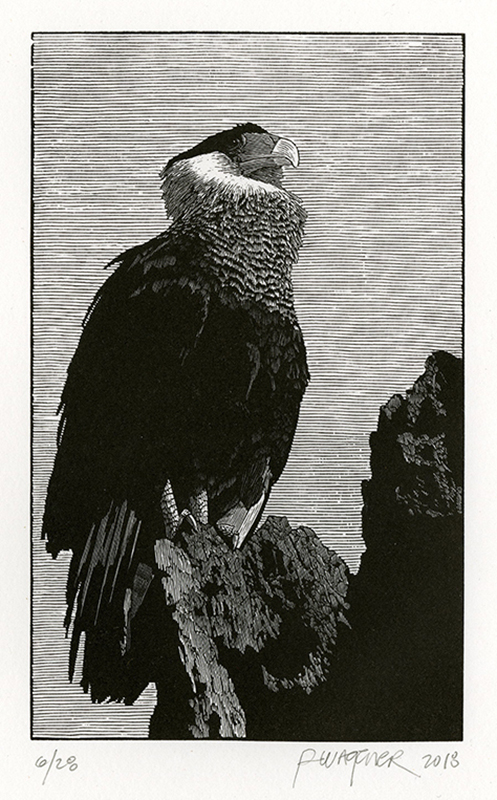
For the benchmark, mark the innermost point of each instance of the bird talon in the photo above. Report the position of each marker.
(187, 517)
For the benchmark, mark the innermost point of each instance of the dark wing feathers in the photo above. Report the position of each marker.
(169, 382)
(125, 370)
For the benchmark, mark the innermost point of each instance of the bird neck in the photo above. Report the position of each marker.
(247, 232)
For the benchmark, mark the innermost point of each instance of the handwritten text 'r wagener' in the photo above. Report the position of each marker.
(351, 758)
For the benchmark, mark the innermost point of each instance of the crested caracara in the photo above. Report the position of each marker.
(183, 395)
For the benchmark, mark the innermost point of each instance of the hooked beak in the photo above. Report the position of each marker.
(283, 153)
(286, 151)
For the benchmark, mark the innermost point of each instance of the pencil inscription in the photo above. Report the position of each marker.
(56, 763)
(353, 758)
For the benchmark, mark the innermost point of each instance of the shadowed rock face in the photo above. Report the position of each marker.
(399, 672)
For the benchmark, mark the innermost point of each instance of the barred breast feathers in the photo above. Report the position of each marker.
(251, 231)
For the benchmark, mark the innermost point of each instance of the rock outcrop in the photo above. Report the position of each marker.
(399, 672)
(253, 627)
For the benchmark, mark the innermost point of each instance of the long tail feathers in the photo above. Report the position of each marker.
(96, 573)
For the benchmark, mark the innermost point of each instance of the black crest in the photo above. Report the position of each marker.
(227, 142)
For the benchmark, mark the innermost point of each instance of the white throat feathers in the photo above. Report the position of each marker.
(198, 184)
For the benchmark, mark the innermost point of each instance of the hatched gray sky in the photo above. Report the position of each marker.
(377, 119)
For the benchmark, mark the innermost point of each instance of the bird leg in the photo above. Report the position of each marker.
(144, 574)
(197, 511)
(169, 510)
(199, 506)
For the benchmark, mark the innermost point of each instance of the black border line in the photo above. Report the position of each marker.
(250, 33)
(31, 427)
(32, 209)
(463, 347)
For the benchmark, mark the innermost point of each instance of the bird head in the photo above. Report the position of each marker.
(250, 151)
(246, 158)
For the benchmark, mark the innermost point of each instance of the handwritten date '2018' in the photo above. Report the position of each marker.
(450, 760)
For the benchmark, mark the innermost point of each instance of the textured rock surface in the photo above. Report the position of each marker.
(398, 673)
(416, 452)
(251, 624)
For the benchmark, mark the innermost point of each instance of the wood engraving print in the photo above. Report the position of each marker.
(247, 386)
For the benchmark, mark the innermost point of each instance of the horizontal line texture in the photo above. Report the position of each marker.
(378, 122)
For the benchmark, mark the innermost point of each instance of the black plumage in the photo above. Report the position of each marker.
(189, 375)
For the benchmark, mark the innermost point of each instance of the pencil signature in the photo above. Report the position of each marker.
(351, 758)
